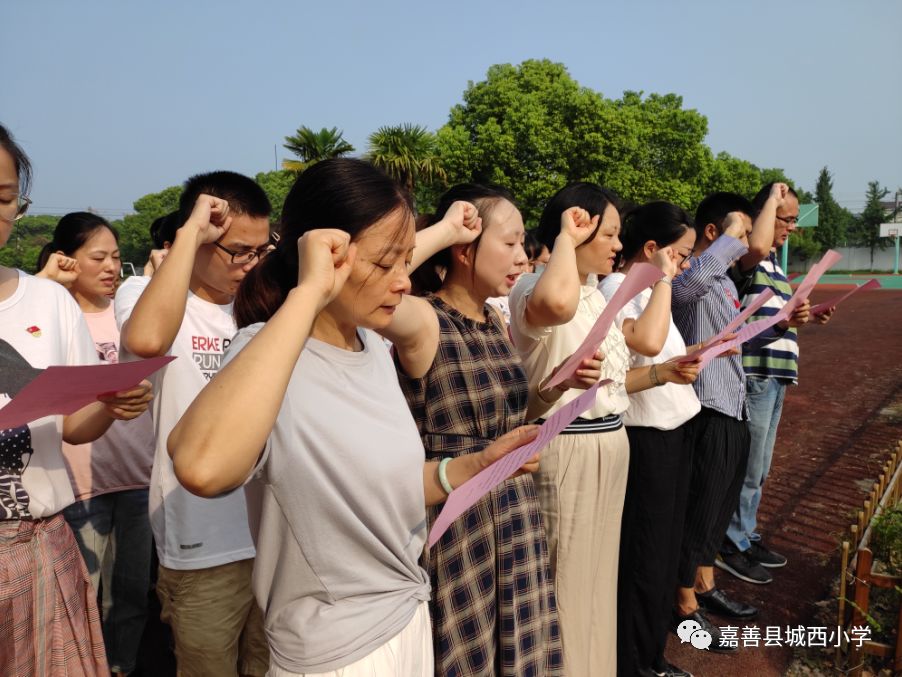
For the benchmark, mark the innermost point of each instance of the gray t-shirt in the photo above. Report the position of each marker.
(337, 507)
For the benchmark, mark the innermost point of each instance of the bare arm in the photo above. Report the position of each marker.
(647, 333)
(154, 323)
(414, 330)
(462, 468)
(761, 239)
(217, 442)
(672, 371)
(90, 422)
(555, 297)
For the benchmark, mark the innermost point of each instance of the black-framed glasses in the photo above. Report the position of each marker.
(247, 255)
(790, 220)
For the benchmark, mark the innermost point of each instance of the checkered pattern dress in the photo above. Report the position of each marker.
(493, 607)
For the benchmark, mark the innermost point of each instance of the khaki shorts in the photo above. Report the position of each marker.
(215, 620)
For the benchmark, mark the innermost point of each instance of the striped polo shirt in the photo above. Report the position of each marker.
(779, 358)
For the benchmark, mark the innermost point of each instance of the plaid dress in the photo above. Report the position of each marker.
(493, 607)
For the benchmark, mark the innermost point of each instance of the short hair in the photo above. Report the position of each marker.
(532, 246)
(715, 207)
(762, 195)
(590, 196)
(163, 229)
(659, 221)
(244, 195)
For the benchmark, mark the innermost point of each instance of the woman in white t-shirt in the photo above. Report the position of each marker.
(109, 476)
(582, 478)
(309, 403)
(660, 438)
(48, 613)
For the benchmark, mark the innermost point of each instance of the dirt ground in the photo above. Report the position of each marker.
(838, 428)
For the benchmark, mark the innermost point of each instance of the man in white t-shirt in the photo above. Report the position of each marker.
(204, 545)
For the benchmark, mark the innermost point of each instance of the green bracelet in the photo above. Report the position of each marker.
(443, 475)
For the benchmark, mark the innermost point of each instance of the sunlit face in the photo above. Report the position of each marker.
(99, 265)
(380, 277)
(787, 217)
(598, 255)
(9, 191)
(500, 257)
(213, 266)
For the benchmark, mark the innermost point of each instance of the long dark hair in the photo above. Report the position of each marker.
(71, 233)
(342, 193)
(20, 160)
(485, 198)
(590, 196)
(662, 222)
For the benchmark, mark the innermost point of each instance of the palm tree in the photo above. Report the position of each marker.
(311, 147)
(406, 152)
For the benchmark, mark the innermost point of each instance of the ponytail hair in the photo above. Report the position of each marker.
(71, 233)
(661, 222)
(589, 196)
(485, 198)
(342, 193)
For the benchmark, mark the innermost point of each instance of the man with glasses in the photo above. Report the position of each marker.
(185, 309)
(769, 368)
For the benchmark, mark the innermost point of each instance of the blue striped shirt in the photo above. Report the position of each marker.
(705, 300)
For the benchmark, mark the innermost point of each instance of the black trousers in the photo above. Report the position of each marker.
(721, 453)
(650, 539)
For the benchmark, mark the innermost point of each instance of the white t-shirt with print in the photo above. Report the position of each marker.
(190, 532)
(665, 407)
(40, 326)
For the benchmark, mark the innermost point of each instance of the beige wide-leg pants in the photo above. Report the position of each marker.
(581, 485)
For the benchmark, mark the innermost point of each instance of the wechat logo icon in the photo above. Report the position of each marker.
(690, 631)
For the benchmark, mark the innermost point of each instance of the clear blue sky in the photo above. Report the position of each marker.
(116, 99)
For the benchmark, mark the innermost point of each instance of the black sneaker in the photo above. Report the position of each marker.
(706, 625)
(743, 567)
(766, 558)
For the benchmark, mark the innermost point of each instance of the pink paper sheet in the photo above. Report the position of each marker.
(752, 329)
(804, 290)
(822, 308)
(468, 493)
(762, 298)
(63, 390)
(640, 276)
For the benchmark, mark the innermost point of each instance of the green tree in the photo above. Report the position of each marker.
(531, 128)
(865, 229)
(833, 220)
(134, 229)
(30, 234)
(408, 153)
(311, 147)
(276, 186)
(734, 175)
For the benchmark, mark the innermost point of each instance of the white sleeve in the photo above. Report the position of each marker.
(127, 296)
(521, 330)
